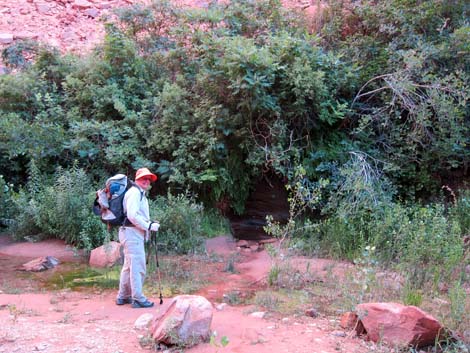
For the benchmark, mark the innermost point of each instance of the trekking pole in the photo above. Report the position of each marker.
(154, 241)
(148, 248)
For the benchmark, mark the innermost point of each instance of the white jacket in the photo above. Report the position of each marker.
(136, 207)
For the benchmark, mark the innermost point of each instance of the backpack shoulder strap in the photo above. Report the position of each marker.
(133, 184)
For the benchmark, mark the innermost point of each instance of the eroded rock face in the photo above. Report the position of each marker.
(46, 21)
(186, 322)
(399, 325)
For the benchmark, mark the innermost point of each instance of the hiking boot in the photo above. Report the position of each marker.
(145, 304)
(121, 301)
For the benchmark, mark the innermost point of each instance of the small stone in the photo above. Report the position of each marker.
(6, 38)
(41, 347)
(26, 35)
(43, 9)
(258, 314)
(143, 321)
(81, 5)
(93, 13)
(311, 313)
(338, 334)
(221, 306)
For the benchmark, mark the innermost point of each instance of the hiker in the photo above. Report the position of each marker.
(132, 238)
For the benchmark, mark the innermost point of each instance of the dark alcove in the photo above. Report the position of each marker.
(269, 197)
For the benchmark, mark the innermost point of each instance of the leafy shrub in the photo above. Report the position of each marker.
(180, 224)
(61, 209)
(460, 211)
(7, 209)
(459, 304)
(431, 246)
(214, 224)
(422, 241)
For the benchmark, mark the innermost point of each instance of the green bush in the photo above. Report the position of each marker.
(180, 224)
(59, 208)
(214, 224)
(7, 210)
(460, 211)
(430, 247)
(422, 242)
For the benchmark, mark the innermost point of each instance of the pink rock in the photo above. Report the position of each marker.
(6, 38)
(43, 8)
(348, 320)
(26, 35)
(187, 321)
(106, 255)
(82, 4)
(399, 325)
(93, 13)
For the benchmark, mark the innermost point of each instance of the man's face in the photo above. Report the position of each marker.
(144, 182)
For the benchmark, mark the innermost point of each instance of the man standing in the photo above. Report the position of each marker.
(132, 236)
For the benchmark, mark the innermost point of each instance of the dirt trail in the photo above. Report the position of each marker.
(79, 322)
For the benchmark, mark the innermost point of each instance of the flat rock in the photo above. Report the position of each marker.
(399, 325)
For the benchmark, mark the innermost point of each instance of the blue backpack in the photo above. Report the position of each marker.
(108, 203)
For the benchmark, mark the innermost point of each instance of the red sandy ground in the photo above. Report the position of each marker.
(89, 322)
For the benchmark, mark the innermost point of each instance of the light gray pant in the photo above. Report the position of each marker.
(134, 268)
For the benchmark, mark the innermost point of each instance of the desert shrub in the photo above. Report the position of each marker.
(180, 224)
(431, 246)
(422, 242)
(361, 193)
(460, 211)
(459, 305)
(59, 208)
(213, 223)
(268, 300)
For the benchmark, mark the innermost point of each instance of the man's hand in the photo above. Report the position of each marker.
(154, 226)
